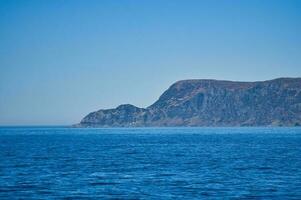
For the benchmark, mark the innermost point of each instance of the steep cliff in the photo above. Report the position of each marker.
(211, 103)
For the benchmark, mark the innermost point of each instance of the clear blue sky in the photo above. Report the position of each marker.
(59, 60)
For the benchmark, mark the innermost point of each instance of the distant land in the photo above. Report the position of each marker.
(206, 103)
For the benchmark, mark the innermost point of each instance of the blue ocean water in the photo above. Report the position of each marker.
(150, 163)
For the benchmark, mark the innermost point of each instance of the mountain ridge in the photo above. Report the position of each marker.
(210, 102)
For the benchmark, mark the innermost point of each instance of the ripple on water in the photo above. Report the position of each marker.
(150, 163)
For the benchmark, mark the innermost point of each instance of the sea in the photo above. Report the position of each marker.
(150, 163)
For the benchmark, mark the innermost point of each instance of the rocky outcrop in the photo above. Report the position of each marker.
(211, 103)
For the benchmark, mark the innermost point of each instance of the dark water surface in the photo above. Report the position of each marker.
(150, 163)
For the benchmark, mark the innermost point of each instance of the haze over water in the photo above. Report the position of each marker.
(150, 163)
(60, 60)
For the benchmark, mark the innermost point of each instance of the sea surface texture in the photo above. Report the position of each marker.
(150, 163)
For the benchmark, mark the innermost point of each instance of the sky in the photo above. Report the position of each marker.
(60, 60)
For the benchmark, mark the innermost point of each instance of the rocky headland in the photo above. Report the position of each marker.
(206, 102)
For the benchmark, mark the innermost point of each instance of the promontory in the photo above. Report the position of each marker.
(204, 102)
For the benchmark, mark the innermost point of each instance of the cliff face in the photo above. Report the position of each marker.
(211, 103)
